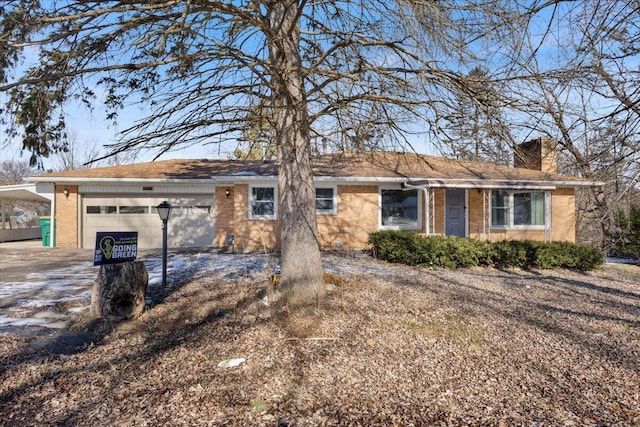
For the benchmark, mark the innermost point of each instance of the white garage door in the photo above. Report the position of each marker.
(190, 225)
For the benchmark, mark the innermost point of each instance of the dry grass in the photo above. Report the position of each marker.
(401, 347)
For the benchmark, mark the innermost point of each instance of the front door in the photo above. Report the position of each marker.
(455, 219)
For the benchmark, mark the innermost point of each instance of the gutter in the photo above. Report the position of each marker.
(85, 180)
(415, 183)
(499, 184)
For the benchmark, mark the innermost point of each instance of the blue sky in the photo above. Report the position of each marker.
(90, 127)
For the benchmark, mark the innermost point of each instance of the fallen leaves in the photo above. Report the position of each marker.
(390, 346)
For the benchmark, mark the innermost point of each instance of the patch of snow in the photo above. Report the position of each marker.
(244, 173)
(615, 260)
(27, 321)
(356, 267)
(44, 290)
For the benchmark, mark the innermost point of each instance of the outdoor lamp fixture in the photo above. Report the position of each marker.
(66, 193)
(227, 192)
(164, 210)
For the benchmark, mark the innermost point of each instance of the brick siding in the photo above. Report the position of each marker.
(66, 216)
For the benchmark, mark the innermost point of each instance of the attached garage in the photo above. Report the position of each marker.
(191, 223)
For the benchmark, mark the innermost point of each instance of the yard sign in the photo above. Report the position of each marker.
(115, 247)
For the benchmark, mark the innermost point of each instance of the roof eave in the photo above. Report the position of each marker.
(498, 183)
(239, 179)
(86, 180)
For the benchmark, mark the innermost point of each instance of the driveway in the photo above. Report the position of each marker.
(43, 289)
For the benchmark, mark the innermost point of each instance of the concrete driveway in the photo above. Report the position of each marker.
(43, 289)
(18, 260)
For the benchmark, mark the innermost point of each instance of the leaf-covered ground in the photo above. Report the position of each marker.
(390, 346)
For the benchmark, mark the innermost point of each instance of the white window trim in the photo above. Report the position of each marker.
(275, 203)
(418, 225)
(333, 211)
(512, 226)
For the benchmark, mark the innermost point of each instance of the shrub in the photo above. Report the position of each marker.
(568, 255)
(396, 246)
(455, 252)
(515, 253)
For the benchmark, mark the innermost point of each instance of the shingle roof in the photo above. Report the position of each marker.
(343, 165)
(420, 166)
(172, 169)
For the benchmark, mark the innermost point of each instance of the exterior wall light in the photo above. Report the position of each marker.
(227, 192)
(66, 193)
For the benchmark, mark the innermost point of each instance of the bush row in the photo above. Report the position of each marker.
(456, 252)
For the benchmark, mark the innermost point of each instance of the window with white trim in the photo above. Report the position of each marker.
(262, 202)
(500, 211)
(326, 200)
(521, 209)
(399, 209)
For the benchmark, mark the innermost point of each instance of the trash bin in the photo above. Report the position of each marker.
(45, 225)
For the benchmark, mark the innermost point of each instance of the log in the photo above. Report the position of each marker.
(119, 291)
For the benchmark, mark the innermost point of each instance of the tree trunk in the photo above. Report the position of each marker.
(119, 291)
(301, 265)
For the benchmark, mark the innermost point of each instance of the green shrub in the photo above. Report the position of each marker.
(411, 248)
(396, 246)
(469, 252)
(515, 253)
(568, 255)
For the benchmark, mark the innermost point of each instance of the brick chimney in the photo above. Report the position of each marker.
(537, 154)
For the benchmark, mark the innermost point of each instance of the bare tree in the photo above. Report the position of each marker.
(14, 171)
(75, 155)
(476, 128)
(85, 154)
(571, 74)
(353, 72)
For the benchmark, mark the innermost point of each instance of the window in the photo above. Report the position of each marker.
(499, 209)
(528, 209)
(325, 200)
(101, 209)
(134, 209)
(399, 209)
(262, 203)
(518, 209)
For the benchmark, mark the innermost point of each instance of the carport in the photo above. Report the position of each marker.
(40, 192)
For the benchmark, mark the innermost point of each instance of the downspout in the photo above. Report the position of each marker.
(489, 215)
(427, 209)
(52, 235)
(433, 217)
(484, 214)
(547, 216)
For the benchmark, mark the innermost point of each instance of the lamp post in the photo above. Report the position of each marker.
(164, 210)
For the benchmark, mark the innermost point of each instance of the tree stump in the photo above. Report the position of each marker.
(119, 291)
